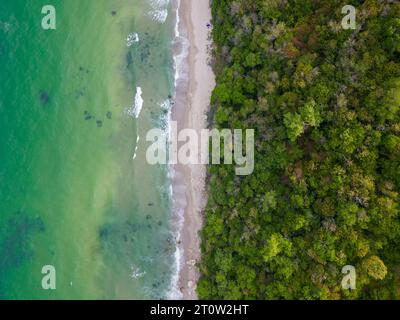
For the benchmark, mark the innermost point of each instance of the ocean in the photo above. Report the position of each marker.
(76, 191)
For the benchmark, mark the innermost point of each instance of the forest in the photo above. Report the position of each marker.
(324, 103)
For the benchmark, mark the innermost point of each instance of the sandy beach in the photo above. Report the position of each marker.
(192, 103)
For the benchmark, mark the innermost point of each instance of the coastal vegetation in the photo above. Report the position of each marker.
(324, 103)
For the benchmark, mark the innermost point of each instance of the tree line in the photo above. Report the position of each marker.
(324, 103)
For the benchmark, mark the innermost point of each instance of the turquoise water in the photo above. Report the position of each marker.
(75, 189)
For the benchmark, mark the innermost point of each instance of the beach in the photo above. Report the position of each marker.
(74, 154)
(193, 92)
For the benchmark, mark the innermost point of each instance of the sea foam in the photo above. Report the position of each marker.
(159, 10)
(136, 108)
(132, 38)
(176, 192)
(136, 148)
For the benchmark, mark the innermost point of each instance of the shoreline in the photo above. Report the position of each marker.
(194, 82)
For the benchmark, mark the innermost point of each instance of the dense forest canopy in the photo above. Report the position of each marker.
(324, 102)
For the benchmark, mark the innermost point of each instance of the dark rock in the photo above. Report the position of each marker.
(79, 93)
(16, 239)
(88, 116)
(129, 59)
(104, 233)
(44, 97)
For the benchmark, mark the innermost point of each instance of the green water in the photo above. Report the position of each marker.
(71, 194)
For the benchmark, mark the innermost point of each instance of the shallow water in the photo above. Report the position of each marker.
(75, 189)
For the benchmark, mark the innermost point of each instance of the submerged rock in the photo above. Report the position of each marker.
(88, 116)
(99, 123)
(44, 97)
(104, 233)
(79, 93)
(15, 240)
(129, 59)
(109, 115)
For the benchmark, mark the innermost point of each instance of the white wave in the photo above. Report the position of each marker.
(159, 3)
(177, 19)
(181, 71)
(132, 38)
(135, 110)
(177, 192)
(159, 15)
(174, 292)
(166, 104)
(159, 11)
(136, 148)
